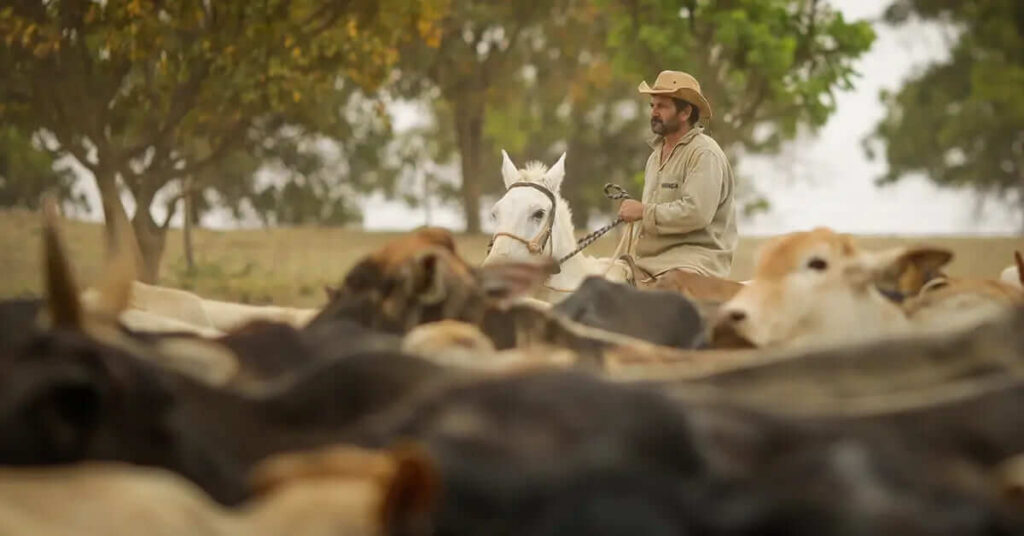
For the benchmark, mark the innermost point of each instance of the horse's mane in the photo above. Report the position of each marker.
(533, 172)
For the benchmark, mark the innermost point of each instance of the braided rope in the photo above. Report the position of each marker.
(611, 191)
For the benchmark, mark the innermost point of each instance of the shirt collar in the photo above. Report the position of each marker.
(656, 141)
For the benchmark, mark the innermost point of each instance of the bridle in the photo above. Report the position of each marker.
(543, 237)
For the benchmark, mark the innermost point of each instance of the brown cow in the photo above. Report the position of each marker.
(420, 278)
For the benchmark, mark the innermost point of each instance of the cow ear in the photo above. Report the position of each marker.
(62, 297)
(62, 413)
(427, 280)
(555, 174)
(509, 173)
(508, 280)
(906, 272)
(412, 494)
(439, 237)
(332, 293)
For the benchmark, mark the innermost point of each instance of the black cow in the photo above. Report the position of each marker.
(563, 453)
(64, 397)
(657, 316)
(18, 321)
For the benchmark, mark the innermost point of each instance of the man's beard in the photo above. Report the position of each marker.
(661, 128)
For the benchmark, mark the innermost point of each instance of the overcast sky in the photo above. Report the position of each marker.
(822, 179)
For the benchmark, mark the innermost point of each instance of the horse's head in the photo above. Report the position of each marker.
(531, 218)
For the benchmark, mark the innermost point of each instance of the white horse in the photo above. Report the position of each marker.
(532, 219)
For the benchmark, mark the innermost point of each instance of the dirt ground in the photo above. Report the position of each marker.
(290, 266)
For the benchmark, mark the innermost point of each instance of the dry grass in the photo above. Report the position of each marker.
(290, 266)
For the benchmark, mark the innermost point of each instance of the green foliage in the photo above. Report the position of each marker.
(27, 171)
(481, 48)
(148, 93)
(961, 122)
(768, 67)
(153, 91)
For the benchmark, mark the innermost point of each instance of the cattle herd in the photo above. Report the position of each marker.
(839, 392)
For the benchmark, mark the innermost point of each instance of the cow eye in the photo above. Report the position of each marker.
(538, 215)
(818, 264)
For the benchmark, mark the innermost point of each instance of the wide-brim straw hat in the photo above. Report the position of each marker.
(679, 85)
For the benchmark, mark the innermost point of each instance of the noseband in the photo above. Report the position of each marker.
(543, 238)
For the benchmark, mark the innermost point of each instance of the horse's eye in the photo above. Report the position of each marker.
(817, 263)
(538, 215)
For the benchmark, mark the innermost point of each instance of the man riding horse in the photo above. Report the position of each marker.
(687, 219)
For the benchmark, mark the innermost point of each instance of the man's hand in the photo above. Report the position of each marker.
(631, 210)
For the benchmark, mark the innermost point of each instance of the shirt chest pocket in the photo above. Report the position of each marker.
(668, 191)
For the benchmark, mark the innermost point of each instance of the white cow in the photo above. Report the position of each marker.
(218, 315)
(817, 287)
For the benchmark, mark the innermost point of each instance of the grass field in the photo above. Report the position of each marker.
(290, 266)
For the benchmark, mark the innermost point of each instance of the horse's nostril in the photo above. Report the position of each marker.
(737, 316)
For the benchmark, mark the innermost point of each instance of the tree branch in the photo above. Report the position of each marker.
(172, 209)
(181, 103)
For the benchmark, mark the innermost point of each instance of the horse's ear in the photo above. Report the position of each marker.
(508, 170)
(554, 175)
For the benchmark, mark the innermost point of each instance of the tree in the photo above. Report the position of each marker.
(302, 176)
(769, 67)
(540, 81)
(480, 49)
(570, 99)
(27, 171)
(961, 121)
(146, 93)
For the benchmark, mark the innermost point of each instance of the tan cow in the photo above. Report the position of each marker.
(461, 344)
(956, 303)
(817, 287)
(337, 491)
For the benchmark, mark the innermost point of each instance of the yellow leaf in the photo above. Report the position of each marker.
(296, 96)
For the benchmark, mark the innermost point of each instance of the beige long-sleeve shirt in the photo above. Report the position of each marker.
(689, 221)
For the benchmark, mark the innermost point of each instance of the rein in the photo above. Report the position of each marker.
(611, 191)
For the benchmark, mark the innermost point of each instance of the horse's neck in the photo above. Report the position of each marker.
(563, 241)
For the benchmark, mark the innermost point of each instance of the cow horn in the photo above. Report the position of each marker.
(61, 292)
(114, 290)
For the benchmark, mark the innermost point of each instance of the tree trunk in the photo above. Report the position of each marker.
(469, 127)
(152, 239)
(151, 236)
(186, 229)
(113, 210)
